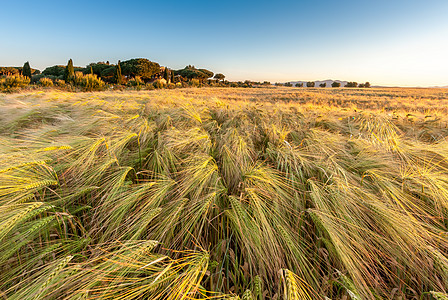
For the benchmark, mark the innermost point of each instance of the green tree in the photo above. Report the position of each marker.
(190, 72)
(69, 73)
(97, 68)
(109, 74)
(351, 84)
(219, 76)
(26, 71)
(299, 84)
(118, 76)
(54, 71)
(310, 84)
(322, 85)
(166, 75)
(335, 84)
(140, 67)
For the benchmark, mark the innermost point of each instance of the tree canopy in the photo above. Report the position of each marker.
(219, 76)
(190, 72)
(351, 84)
(142, 67)
(336, 84)
(97, 68)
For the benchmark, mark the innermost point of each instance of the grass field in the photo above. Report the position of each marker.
(264, 193)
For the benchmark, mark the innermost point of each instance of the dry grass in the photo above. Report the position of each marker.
(269, 193)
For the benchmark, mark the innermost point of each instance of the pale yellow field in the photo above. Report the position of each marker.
(224, 193)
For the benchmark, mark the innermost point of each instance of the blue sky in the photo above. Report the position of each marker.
(395, 42)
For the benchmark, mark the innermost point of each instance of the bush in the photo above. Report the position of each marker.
(15, 81)
(194, 82)
(59, 82)
(46, 82)
(134, 82)
(149, 86)
(160, 84)
(171, 86)
(310, 84)
(88, 82)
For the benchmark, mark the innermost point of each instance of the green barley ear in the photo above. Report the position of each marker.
(58, 268)
(247, 295)
(294, 287)
(12, 221)
(258, 287)
(439, 296)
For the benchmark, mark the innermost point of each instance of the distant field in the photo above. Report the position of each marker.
(220, 193)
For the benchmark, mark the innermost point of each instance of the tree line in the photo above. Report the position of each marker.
(335, 84)
(137, 72)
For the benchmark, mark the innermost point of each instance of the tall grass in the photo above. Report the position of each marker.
(179, 195)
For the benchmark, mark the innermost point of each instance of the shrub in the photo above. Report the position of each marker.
(15, 81)
(160, 84)
(8, 71)
(149, 86)
(299, 84)
(46, 82)
(195, 82)
(137, 81)
(89, 82)
(310, 84)
(59, 82)
(171, 86)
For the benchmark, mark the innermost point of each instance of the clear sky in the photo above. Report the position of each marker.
(386, 42)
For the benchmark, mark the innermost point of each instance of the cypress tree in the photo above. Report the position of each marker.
(26, 70)
(118, 76)
(69, 73)
(166, 75)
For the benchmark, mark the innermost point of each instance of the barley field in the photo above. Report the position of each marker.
(220, 193)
